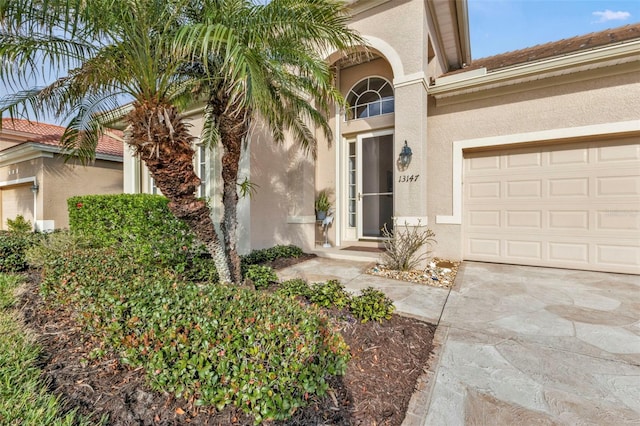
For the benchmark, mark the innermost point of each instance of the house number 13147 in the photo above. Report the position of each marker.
(408, 178)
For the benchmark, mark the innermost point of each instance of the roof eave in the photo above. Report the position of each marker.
(592, 58)
(30, 150)
(464, 37)
(451, 20)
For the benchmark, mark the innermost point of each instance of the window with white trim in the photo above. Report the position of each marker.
(202, 170)
(370, 97)
(153, 189)
(351, 196)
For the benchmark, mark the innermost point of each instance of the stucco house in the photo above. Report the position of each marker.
(529, 157)
(35, 180)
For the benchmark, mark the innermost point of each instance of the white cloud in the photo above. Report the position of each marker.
(610, 15)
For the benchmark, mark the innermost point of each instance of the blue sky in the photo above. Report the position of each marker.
(498, 26)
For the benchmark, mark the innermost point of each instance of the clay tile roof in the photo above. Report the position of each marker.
(556, 48)
(50, 134)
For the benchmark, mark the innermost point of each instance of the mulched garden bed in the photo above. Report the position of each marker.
(387, 360)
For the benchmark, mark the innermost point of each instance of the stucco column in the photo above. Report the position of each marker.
(131, 171)
(410, 185)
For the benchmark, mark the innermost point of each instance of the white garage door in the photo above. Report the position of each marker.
(569, 206)
(16, 200)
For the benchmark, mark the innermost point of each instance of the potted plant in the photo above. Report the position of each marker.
(322, 205)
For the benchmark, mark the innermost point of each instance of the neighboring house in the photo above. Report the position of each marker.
(35, 181)
(530, 157)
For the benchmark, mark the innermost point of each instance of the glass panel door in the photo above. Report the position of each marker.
(376, 185)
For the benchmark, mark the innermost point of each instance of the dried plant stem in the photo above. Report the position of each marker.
(403, 246)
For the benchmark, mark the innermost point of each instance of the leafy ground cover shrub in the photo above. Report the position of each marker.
(369, 305)
(261, 276)
(329, 294)
(13, 246)
(372, 305)
(294, 287)
(271, 254)
(25, 400)
(215, 344)
(47, 250)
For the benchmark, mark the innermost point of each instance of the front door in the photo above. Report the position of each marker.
(375, 184)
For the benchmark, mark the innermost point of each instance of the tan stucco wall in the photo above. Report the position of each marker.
(279, 210)
(282, 207)
(60, 181)
(395, 22)
(20, 170)
(552, 104)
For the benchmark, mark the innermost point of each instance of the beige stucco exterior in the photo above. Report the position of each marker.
(557, 103)
(57, 181)
(443, 116)
(551, 101)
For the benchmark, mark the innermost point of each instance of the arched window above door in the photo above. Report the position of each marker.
(369, 97)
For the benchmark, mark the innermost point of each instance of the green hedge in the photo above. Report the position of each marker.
(140, 224)
(12, 250)
(219, 345)
(271, 254)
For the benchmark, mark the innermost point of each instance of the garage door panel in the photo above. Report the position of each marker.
(629, 153)
(523, 249)
(618, 255)
(568, 187)
(483, 219)
(485, 248)
(527, 159)
(574, 206)
(621, 257)
(569, 156)
(614, 186)
(560, 220)
(523, 219)
(484, 163)
(573, 252)
(484, 190)
(619, 220)
(523, 188)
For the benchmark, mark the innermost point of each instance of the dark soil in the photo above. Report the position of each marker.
(387, 360)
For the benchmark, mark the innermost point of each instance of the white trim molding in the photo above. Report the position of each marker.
(388, 52)
(24, 152)
(18, 181)
(595, 130)
(385, 49)
(408, 80)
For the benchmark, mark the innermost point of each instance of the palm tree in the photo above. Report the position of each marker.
(262, 62)
(247, 61)
(115, 50)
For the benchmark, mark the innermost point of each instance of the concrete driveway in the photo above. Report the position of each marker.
(517, 345)
(525, 345)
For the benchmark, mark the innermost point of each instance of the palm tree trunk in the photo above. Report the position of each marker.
(161, 139)
(232, 133)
